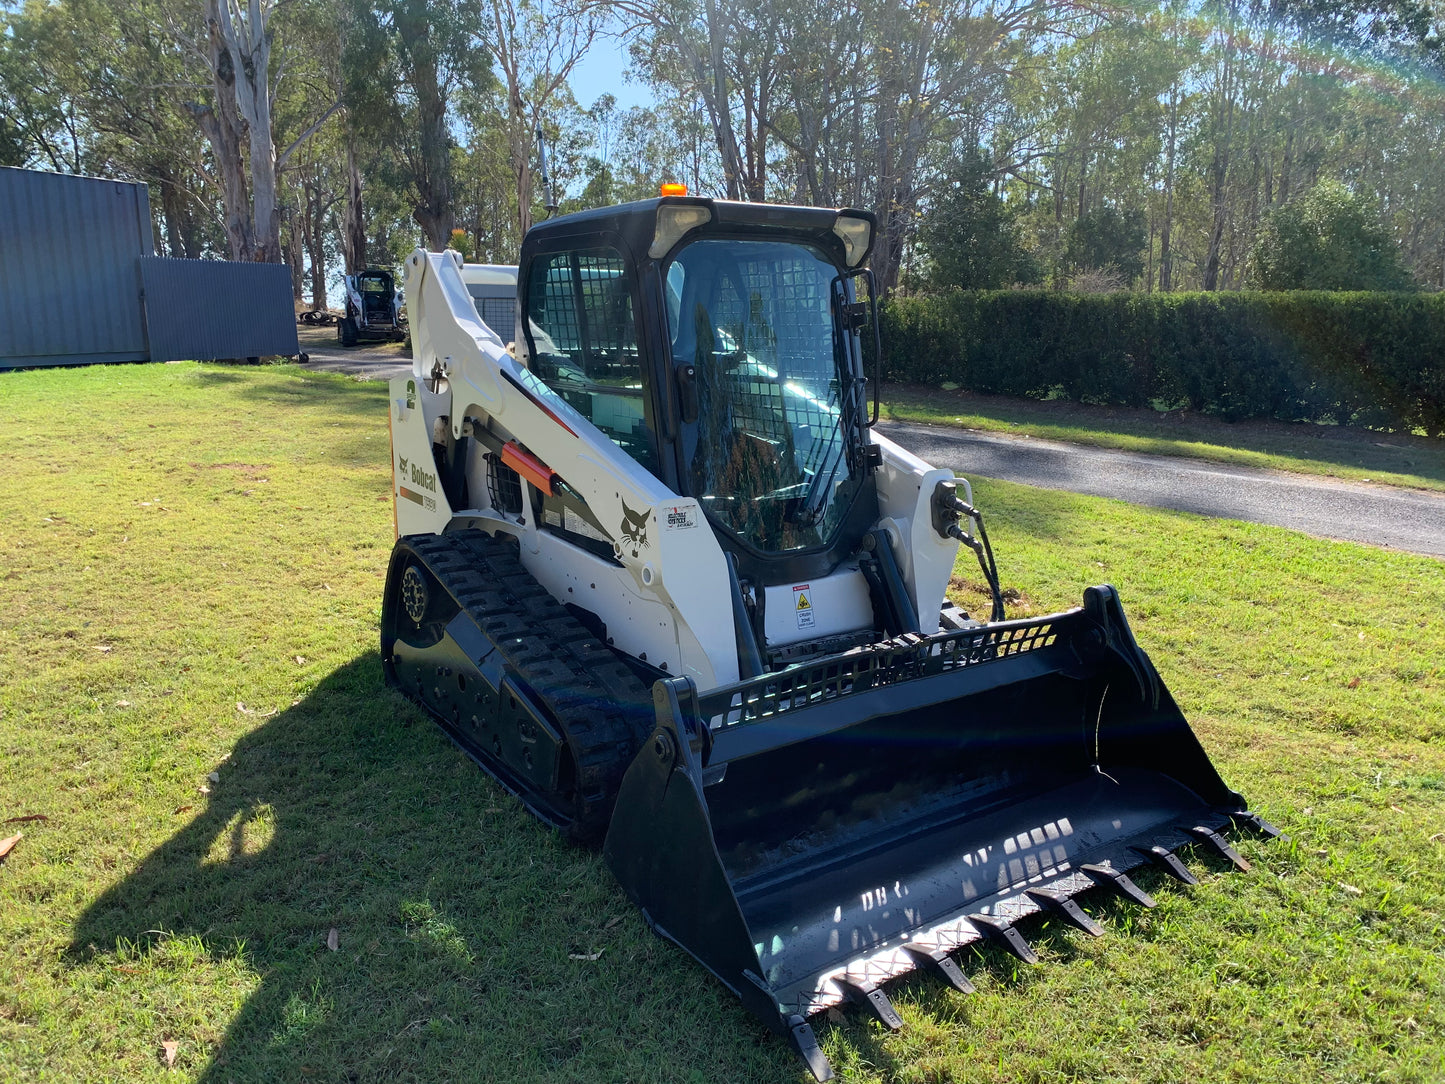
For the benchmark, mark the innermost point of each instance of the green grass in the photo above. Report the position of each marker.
(1353, 454)
(177, 541)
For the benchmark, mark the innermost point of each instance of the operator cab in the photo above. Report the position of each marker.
(719, 344)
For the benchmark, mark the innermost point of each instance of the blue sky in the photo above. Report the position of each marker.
(600, 71)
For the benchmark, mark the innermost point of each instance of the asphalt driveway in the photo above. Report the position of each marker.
(1405, 519)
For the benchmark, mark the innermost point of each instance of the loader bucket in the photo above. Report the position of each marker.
(810, 834)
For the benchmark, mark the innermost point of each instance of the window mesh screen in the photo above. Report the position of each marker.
(585, 343)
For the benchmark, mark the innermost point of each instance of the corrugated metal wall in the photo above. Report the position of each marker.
(68, 248)
(204, 309)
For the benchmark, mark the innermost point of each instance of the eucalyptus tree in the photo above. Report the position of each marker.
(405, 62)
(535, 48)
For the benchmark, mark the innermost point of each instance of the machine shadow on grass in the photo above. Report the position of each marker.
(460, 921)
(466, 932)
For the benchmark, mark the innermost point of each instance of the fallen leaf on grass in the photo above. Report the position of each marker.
(1437, 837)
(122, 703)
(168, 1052)
(613, 921)
(243, 709)
(203, 789)
(1351, 889)
(1397, 809)
(8, 845)
(28, 818)
(300, 659)
(181, 809)
(1354, 683)
(214, 777)
(589, 956)
(333, 939)
(104, 649)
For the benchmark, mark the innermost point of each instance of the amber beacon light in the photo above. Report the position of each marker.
(674, 190)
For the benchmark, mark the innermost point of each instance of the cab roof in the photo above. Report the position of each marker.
(636, 223)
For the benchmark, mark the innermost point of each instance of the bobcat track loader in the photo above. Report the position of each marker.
(657, 574)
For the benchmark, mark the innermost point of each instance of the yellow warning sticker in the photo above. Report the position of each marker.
(803, 606)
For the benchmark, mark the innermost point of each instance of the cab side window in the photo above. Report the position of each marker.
(584, 343)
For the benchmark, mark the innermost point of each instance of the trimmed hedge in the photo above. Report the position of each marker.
(1351, 358)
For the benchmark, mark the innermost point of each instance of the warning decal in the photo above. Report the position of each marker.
(803, 605)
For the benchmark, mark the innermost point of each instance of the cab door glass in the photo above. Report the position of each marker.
(584, 343)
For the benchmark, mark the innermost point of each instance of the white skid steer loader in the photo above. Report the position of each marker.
(657, 574)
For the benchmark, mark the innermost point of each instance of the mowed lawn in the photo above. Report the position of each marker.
(191, 566)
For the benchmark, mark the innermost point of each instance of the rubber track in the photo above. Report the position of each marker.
(594, 699)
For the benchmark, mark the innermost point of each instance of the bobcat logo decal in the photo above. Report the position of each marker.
(634, 528)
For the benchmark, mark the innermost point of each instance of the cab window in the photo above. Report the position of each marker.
(584, 343)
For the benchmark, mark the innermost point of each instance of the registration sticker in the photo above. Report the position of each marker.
(679, 519)
(803, 606)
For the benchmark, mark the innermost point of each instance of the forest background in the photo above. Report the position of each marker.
(1082, 146)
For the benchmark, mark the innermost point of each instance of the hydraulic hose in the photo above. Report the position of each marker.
(982, 550)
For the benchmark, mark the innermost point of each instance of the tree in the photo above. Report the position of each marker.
(536, 49)
(237, 43)
(405, 61)
(1108, 239)
(1328, 239)
(969, 235)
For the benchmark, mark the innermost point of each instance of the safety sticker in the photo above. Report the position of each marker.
(577, 525)
(803, 605)
(679, 519)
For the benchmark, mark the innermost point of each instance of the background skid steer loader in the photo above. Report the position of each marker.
(371, 308)
(656, 573)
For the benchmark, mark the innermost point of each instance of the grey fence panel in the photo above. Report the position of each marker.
(203, 309)
(68, 246)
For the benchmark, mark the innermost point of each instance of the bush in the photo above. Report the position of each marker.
(1327, 239)
(1355, 359)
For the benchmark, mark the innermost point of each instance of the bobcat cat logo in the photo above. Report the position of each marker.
(634, 527)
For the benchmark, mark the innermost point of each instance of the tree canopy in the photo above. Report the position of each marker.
(1158, 146)
(1327, 239)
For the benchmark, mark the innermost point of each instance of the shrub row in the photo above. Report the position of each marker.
(1350, 358)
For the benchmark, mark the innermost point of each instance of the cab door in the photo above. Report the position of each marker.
(585, 341)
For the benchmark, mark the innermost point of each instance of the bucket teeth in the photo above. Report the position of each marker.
(806, 1044)
(1120, 883)
(1006, 936)
(1220, 844)
(1169, 862)
(1246, 819)
(1063, 906)
(940, 963)
(871, 997)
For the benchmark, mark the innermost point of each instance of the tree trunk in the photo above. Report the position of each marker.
(433, 211)
(172, 214)
(221, 124)
(1166, 255)
(316, 244)
(353, 230)
(293, 252)
(248, 45)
